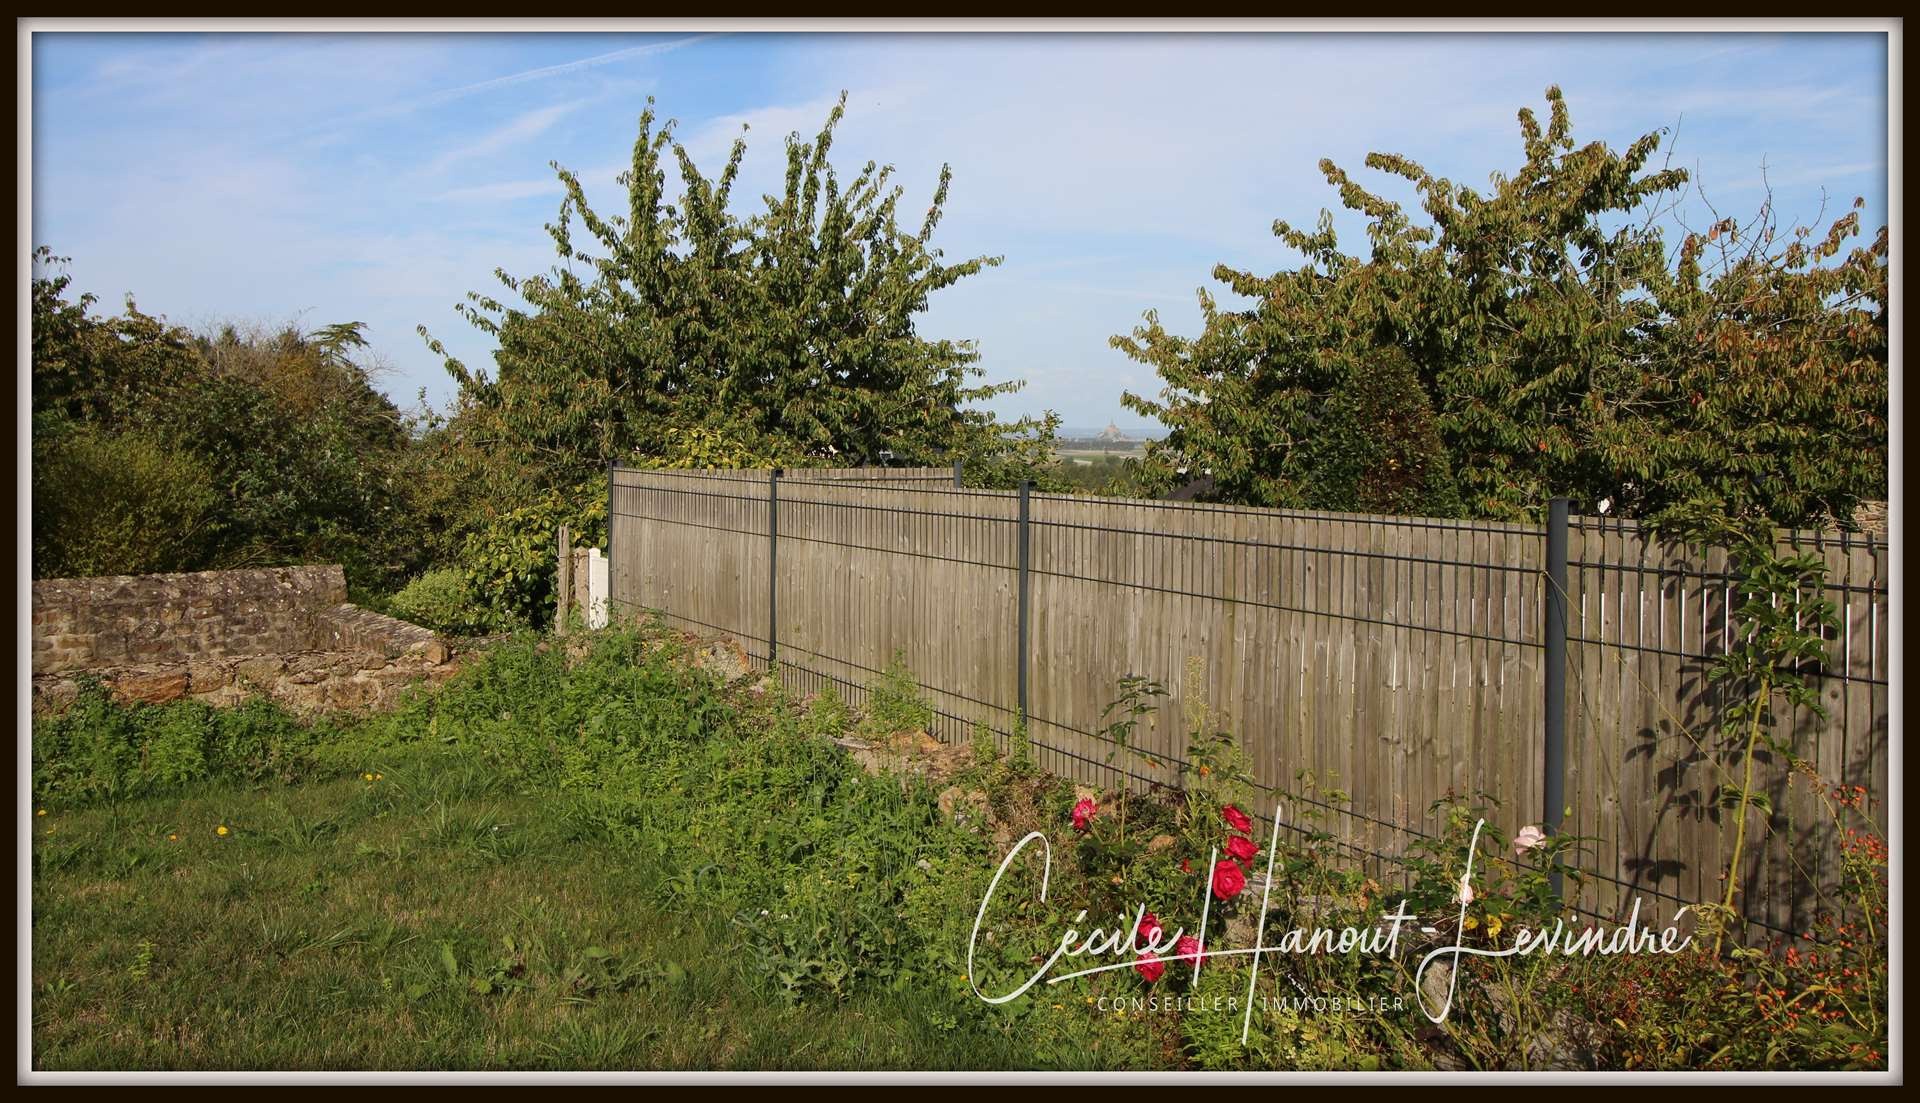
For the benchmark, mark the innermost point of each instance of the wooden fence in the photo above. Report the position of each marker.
(1396, 659)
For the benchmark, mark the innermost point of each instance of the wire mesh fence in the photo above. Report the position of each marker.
(1369, 666)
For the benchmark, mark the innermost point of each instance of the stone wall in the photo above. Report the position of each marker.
(129, 620)
(286, 633)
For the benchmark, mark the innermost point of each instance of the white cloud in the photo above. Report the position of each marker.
(522, 128)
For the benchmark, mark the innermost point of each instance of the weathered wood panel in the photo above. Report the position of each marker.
(1370, 666)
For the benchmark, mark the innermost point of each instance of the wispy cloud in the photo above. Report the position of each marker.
(521, 128)
(548, 71)
(526, 76)
(1112, 172)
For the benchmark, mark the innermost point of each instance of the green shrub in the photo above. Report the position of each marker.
(98, 749)
(894, 703)
(443, 601)
(107, 503)
(510, 560)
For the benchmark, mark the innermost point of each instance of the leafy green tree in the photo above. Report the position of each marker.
(283, 428)
(115, 502)
(1377, 446)
(1564, 347)
(101, 370)
(789, 334)
(689, 334)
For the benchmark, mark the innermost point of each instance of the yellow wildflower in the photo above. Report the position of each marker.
(42, 812)
(221, 831)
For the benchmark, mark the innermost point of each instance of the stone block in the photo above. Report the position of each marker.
(151, 687)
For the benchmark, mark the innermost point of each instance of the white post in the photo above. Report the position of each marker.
(597, 565)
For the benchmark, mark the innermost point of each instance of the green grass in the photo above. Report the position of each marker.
(438, 918)
(597, 856)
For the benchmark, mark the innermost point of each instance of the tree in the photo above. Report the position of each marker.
(155, 448)
(784, 337)
(108, 503)
(1376, 447)
(101, 370)
(1563, 347)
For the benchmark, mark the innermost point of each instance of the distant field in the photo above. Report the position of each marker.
(1086, 452)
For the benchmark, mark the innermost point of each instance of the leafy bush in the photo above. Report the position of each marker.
(510, 560)
(1744, 365)
(98, 749)
(1377, 448)
(115, 503)
(156, 449)
(443, 601)
(894, 703)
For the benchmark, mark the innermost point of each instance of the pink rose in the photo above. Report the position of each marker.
(1150, 967)
(1228, 879)
(1237, 818)
(1187, 949)
(1083, 814)
(1149, 930)
(1527, 839)
(1240, 848)
(1465, 895)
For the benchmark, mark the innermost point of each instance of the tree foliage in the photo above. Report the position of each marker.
(1564, 346)
(116, 503)
(156, 448)
(674, 330)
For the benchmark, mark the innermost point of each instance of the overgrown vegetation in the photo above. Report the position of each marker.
(594, 854)
(1561, 346)
(1543, 338)
(159, 449)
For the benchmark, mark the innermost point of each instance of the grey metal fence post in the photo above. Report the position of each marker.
(1026, 492)
(773, 566)
(1555, 639)
(957, 484)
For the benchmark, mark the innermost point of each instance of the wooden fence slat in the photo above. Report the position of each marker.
(1397, 658)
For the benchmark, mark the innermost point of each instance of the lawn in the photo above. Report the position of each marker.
(596, 858)
(437, 916)
(601, 855)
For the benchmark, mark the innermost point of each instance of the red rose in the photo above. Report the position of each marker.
(1083, 814)
(1149, 930)
(1187, 949)
(1228, 880)
(1237, 818)
(1186, 866)
(1241, 849)
(1149, 967)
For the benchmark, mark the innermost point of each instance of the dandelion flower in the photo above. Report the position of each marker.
(42, 812)
(221, 831)
(173, 838)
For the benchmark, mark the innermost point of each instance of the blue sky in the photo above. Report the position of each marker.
(326, 178)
